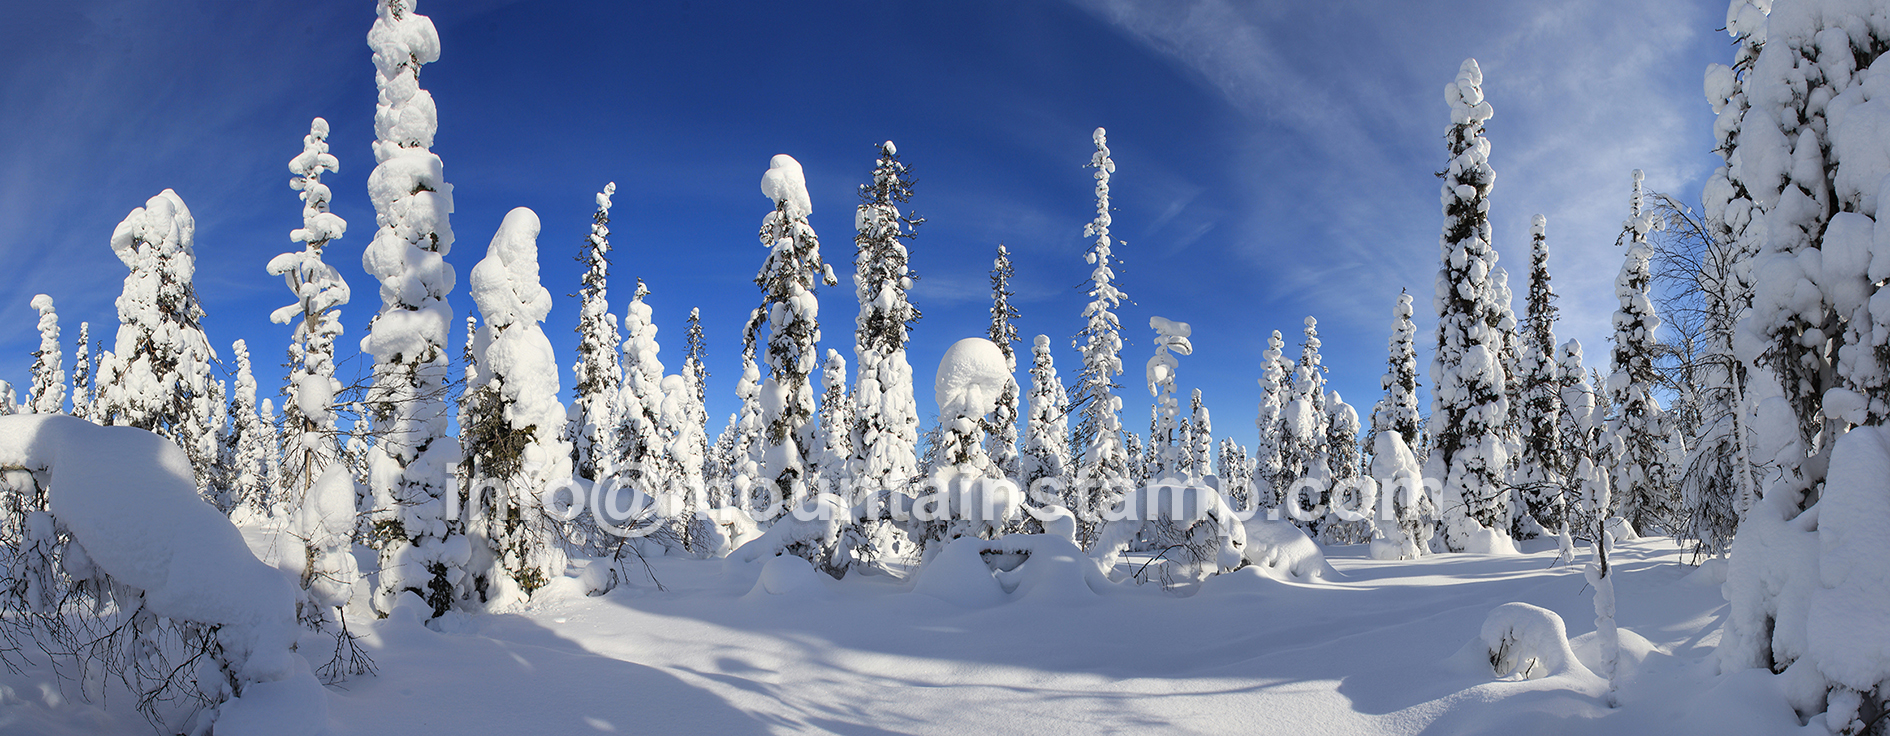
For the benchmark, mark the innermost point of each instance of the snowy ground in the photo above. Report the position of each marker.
(1375, 650)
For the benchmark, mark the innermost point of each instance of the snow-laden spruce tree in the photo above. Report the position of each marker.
(697, 534)
(1805, 584)
(1046, 456)
(513, 451)
(1304, 453)
(1102, 464)
(597, 376)
(641, 462)
(247, 446)
(1168, 456)
(157, 376)
(309, 431)
(885, 414)
(965, 495)
(1270, 475)
(788, 280)
(1469, 404)
(1351, 515)
(829, 467)
(1541, 469)
(82, 367)
(1405, 532)
(410, 465)
(1201, 434)
(744, 459)
(1580, 427)
(49, 373)
(1234, 467)
(1645, 496)
(695, 375)
(1002, 441)
(1397, 410)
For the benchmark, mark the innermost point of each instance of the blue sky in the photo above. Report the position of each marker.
(1275, 160)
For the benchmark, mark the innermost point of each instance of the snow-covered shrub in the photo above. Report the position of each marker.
(1189, 525)
(152, 587)
(1528, 642)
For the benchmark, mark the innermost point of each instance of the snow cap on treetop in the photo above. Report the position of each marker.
(603, 197)
(42, 303)
(784, 182)
(505, 284)
(970, 376)
(889, 149)
(1465, 95)
(1169, 328)
(1042, 341)
(1538, 225)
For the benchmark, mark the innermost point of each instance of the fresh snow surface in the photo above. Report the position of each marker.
(1047, 646)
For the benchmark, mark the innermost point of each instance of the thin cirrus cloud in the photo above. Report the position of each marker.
(1583, 93)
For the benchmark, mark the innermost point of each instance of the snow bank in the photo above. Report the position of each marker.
(130, 501)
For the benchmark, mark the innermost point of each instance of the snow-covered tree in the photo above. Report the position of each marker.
(641, 461)
(1003, 438)
(1394, 441)
(598, 374)
(247, 446)
(49, 373)
(309, 431)
(788, 280)
(744, 460)
(1102, 465)
(1802, 134)
(82, 366)
(158, 375)
(836, 427)
(1234, 467)
(1469, 405)
(1351, 516)
(1270, 477)
(1304, 453)
(1201, 434)
(513, 451)
(1646, 497)
(1580, 426)
(1046, 433)
(1168, 455)
(885, 414)
(965, 496)
(695, 375)
(410, 464)
(1541, 469)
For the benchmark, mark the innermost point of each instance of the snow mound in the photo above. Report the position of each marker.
(786, 574)
(1281, 551)
(1041, 568)
(811, 529)
(970, 376)
(1526, 642)
(130, 501)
